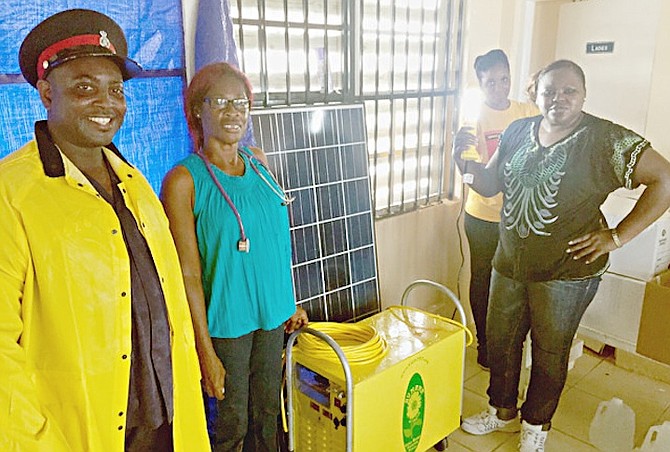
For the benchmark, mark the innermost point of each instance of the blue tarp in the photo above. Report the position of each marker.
(214, 42)
(154, 135)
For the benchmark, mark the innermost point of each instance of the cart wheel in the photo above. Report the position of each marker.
(442, 444)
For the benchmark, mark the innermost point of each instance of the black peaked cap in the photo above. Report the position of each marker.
(71, 34)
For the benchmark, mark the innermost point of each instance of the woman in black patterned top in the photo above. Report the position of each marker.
(554, 171)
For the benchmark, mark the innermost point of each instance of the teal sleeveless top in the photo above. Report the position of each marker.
(244, 292)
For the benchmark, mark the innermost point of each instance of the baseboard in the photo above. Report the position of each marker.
(642, 365)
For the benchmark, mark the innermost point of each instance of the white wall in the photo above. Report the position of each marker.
(541, 46)
(657, 130)
(418, 245)
(524, 29)
(190, 16)
(618, 84)
(486, 29)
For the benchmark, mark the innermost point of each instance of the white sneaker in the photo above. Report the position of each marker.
(532, 438)
(487, 422)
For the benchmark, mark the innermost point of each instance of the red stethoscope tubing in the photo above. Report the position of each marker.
(208, 165)
(243, 236)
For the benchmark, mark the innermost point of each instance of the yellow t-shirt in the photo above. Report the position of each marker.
(489, 128)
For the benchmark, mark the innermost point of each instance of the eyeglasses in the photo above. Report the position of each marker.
(219, 103)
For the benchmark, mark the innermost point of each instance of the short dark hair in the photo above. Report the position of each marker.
(558, 64)
(199, 87)
(490, 59)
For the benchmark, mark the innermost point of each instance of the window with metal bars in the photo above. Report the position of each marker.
(401, 58)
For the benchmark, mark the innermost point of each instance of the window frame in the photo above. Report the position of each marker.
(427, 163)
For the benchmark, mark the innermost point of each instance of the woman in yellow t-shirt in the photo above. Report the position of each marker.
(482, 215)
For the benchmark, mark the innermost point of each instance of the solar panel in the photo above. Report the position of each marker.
(320, 157)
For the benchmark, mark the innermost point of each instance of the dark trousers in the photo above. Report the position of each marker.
(483, 240)
(142, 439)
(247, 416)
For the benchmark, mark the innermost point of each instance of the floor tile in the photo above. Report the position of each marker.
(583, 365)
(455, 447)
(606, 381)
(490, 442)
(471, 366)
(474, 403)
(593, 379)
(575, 413)
(558, 441)
(478, 383)
(647, 397)
(664, 417)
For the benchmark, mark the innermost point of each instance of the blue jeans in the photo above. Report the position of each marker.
(551, 310)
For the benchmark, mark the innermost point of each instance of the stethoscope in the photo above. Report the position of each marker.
(243, 242)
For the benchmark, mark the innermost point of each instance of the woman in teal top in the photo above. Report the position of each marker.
(260, 275)
(229, 219)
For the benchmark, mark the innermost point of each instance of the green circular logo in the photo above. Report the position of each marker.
(413, 412)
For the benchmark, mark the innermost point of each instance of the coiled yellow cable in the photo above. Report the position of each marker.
(361, 344)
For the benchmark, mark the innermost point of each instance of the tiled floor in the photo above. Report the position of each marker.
(592, 380)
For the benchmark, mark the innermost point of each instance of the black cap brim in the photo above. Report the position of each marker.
(129, 68)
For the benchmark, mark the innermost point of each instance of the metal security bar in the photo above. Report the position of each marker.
(294, 50)
(401, 58)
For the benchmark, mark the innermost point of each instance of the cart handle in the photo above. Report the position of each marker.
(289, 383)
(441, 288)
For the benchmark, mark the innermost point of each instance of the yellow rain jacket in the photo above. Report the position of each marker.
(65, 313)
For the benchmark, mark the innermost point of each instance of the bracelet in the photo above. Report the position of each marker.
(615, 238)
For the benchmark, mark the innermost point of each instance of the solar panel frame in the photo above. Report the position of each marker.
(319, 155)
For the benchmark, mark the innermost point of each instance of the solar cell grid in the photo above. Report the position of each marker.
(319, 155)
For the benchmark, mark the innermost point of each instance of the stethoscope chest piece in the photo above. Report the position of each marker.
(243, 245)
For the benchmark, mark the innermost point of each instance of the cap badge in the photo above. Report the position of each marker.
(104, 40)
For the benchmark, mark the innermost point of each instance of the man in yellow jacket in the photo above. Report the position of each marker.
(96, 343)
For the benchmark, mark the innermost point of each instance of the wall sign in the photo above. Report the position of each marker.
(600, 47)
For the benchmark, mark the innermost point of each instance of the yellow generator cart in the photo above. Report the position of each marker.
(400, 390)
